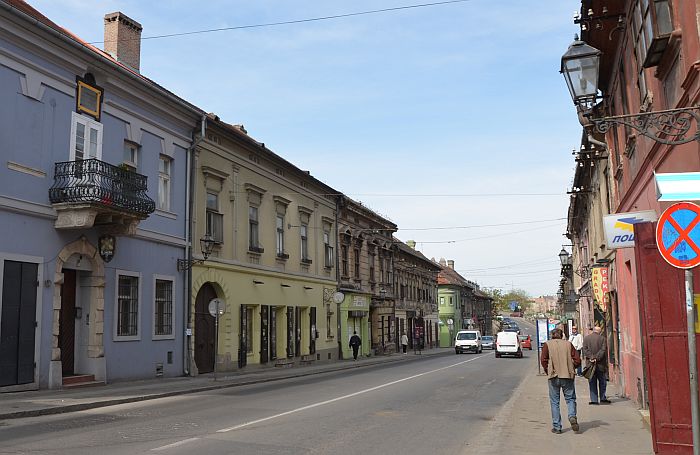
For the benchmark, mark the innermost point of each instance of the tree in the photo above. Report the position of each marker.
(501, 300)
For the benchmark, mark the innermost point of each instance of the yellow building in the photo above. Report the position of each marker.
(272, 265)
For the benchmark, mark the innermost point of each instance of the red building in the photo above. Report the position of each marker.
(648, 73)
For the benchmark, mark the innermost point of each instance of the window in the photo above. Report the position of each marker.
(253, 238)
(163, 308)
(442, 301)
(85, 138)
(131, 155)
(371, 267)
(303, 233)
(279, 244)
(344, 259)
(357, 263)
(215, 220)
(641, 35)
(328, 250)
(164, 182)
(381, 269)
(127, 306)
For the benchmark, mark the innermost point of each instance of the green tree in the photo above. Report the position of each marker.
(501, 300)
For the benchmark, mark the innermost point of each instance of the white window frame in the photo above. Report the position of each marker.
(214, 219)
(134, 150)
(171, 336)
(164, 182)
(88, 123)
(279, 235)
(137, 275)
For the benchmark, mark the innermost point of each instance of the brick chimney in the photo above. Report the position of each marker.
(451, 264)
(123, 39)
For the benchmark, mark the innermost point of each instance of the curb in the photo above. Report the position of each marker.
(196, 389)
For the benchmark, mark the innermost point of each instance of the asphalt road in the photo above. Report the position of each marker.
(439, 404)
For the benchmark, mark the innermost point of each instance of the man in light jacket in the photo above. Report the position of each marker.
(559, 358)
(577, 340)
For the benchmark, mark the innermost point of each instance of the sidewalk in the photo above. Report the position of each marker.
(523, 425)
(43, 402)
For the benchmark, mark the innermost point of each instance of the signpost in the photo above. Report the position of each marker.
(542, 337)
(678, 241)
(217, 307)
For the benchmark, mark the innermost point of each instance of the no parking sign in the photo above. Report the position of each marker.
(678, 235)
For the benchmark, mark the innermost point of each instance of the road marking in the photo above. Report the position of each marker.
(333, 400)
(174, 444)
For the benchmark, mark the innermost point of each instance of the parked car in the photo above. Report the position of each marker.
(525, 341)
(487, 342)
(508, 343)
(468, 341)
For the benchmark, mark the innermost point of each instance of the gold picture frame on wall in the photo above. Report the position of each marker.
(88, 99)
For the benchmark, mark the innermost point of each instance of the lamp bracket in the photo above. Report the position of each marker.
(667, 127)
(186, 264)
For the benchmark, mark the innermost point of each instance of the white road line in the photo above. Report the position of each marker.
(174, 444)
(332, 400)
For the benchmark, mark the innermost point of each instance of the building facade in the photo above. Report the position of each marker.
(273, 264)
(93, 208)
(366, 271)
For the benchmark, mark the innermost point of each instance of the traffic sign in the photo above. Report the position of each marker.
(217, 307)
(678, 235)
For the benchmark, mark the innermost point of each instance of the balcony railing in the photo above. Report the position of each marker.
(95, 182)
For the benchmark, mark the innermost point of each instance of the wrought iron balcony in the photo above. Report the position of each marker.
(89, 192)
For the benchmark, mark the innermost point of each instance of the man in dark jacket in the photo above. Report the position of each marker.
(595, 350)
(355, 343)
(559, 360)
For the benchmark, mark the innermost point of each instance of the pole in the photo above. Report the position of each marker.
(216, 338)
(537, 340)
(692, 360)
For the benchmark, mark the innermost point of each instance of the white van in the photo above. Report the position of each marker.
(468, 341)
(508, 343)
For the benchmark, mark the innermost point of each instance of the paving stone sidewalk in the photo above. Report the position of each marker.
(523, 425)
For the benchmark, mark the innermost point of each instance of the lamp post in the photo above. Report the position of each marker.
(206, 244)
(580, 66)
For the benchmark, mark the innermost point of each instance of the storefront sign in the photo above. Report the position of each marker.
(619, 228)
(360, 301)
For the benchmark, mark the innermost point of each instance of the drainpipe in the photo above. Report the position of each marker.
(187, 310)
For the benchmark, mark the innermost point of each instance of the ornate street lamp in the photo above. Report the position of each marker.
(564, 257)
(206, 244)
(580, 66)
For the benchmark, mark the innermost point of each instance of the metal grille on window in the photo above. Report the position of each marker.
(127, 318)
(164, 307)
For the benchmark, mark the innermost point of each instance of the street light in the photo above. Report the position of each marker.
(206, 244)
(564, 257)
(580, 66)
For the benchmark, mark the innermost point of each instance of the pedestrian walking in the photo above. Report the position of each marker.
(404, 342)
(355, 343)
(596, 351)
(577, 340)
(559, 358)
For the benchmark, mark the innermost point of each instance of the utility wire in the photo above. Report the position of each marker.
(491, 236)
(296, 21)
(480, 225)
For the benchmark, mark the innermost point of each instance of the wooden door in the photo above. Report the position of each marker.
(204, 330)
(18, 323)
(264, 333)
(66, 323)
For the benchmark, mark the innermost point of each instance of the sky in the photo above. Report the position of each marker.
(450, 120)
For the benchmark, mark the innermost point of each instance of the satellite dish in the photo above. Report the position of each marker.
(217, 307)
(338, 297)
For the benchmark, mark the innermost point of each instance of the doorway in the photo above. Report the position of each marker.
(204, 330)
(66, 323)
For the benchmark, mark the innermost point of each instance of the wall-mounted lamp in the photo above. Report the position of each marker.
(580, 66)
(206, 244)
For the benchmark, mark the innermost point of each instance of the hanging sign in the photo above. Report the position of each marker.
(619, 227)
(678, 235)
(599, 283)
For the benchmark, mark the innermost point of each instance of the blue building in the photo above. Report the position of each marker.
(93, 207)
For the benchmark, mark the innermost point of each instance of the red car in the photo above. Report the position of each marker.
(525, 341)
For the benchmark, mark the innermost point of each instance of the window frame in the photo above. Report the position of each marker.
(345, 269)
(253, 228)
(356, 263)
(279, 236)
(304, 239)
(214, 219)
(88, 123)
(117, 315)
(165, 176)
(327, 250)
(171, 280)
